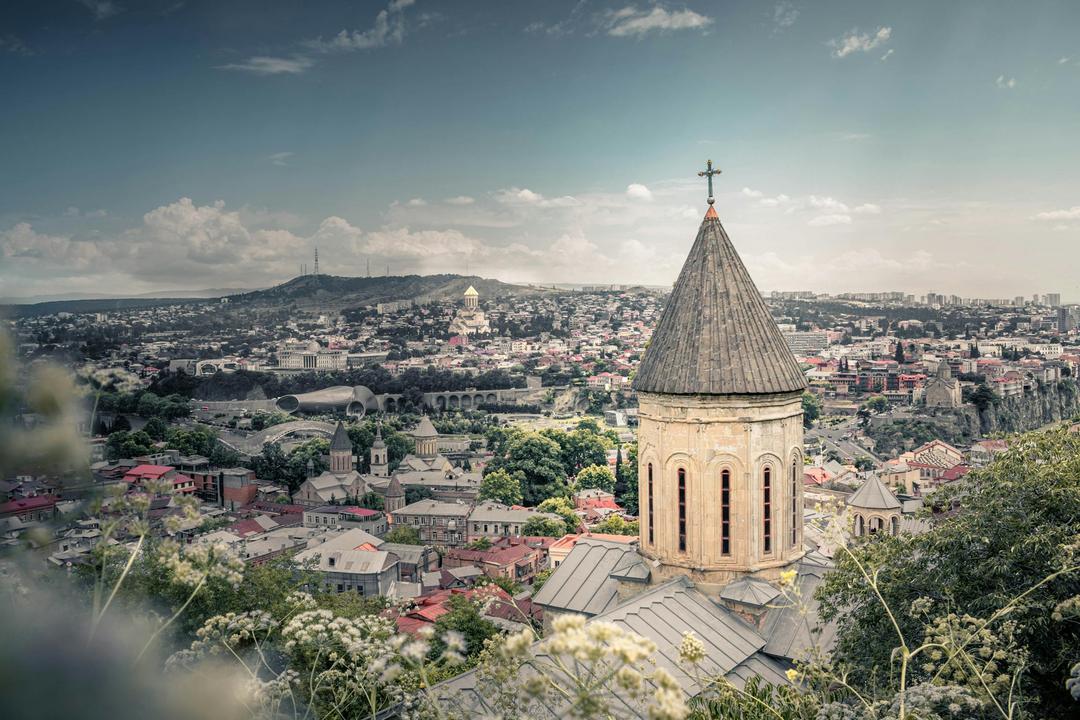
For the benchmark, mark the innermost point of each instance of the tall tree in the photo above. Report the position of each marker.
(1008, 528)
(502, 487)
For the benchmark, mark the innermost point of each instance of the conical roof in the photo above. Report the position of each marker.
(341, 441)
(394, 489)
(425, 429)
(379, 442)
(471, 292)
(716, 336)
(873, 495)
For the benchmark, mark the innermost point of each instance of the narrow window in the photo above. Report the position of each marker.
(682, 510)
(794, 504)
(649, 501)
(767, 509)
(725, 512)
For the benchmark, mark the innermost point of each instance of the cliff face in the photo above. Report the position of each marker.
(1048, 403)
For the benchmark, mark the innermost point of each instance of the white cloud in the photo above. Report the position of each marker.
(887, 55)
(631, 21)
(102, 9)
(22, 243)
(1063, 61)
(755, 194)
(777, 201)
(388, 29)
(784, 15)
(416, 202)
(827, 203)
(830, 219)
(525, 196)
(12, 44)
(1006, 83)
(855, 41)
(265, 65)
(1072, 213)
(868, 209)
(281, 159)
(638, 191)
(460, 200)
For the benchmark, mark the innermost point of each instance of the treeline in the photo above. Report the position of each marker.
(244, 384)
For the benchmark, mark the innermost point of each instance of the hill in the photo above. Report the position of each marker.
(331, 293)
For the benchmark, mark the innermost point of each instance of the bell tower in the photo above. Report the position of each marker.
(380, 464)
(720, 434)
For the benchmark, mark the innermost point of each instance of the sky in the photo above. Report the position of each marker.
(155, 145)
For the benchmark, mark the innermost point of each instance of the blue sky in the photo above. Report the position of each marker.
(865, 146)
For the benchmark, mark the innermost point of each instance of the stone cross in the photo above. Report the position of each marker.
(709, 172)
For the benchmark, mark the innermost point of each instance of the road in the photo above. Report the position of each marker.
(838, 439)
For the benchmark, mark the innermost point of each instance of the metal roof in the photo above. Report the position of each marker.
(582, 583)
(792, 628)
(873, 495)
(716, 336)
(749, 591)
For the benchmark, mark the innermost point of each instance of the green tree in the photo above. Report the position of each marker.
(502, 487)
(538, 458)
(156, 428)
(898, 355)
(983, 397)
(615, 525)
(811, 408)
(543, 527)
(464, 617)
(1010, 526)
(125, 444)
(579, 448)
(562, 507)
(878, 404)
(595, 476)
(403, 535)
(629, 498)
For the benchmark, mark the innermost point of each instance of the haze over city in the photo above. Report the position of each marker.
(917, 147)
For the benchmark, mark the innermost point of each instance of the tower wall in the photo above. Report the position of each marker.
(705, 435)
(340, 461)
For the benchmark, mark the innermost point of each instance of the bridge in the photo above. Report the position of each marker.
(253, 444)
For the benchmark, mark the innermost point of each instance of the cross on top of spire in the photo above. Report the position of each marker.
(708, 172)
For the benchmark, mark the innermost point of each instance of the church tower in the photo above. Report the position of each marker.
(720, 434)
(380, 463)
(472, 298)
(341, 457)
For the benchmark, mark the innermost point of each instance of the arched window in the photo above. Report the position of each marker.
(649, 502)
(766, 486)
(794, 502)
(682, 510)
(895, 522)
(725, 512)
(860, 528)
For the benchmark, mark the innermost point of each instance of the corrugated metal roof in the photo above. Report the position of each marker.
(749, 591)
(791, 632)
(716, 336)
(582, 583)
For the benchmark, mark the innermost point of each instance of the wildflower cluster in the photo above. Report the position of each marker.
(194, 565)
(964, 651)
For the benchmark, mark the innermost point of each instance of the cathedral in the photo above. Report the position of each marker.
(470, 319)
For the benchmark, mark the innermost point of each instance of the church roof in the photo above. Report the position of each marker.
(425, 429)
(471, 292)
(873, 495)
(716, 336)
(582, 583)
(394, 489)
(341, 441)
(750, 591)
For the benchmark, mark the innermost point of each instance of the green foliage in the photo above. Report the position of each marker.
(156, 428)
(897, 435)
(372, 501)
(1010, 526)
(629, 499)
(415, 493)
(543, 527)
(595, 476)
(464, 617)
(615, 525)
(562, 507)
(581, 448)
(125, 444)
(510, 586)
(877, 404)
(483, 543)
(502, 487)
(811, 407)
(403, 535)
(352, 605)
(983, 397)
(540, 579)
(538, 459)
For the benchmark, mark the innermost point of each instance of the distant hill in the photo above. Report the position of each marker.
(322, 293)
(331, 293)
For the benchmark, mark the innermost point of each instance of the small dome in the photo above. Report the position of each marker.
(314, 346)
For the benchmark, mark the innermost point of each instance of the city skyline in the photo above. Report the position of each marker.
(863, 146)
